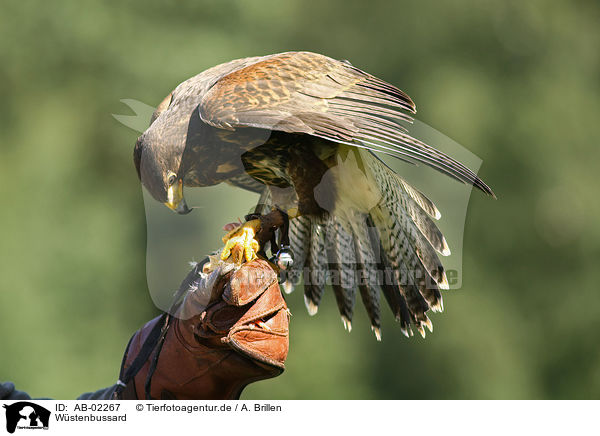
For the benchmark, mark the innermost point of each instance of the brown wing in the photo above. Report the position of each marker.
(302, 92)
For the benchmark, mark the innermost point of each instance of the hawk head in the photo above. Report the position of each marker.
(157, 156)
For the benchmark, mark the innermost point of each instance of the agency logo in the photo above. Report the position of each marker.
(26, 415)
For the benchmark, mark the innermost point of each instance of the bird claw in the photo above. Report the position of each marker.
(240, 244)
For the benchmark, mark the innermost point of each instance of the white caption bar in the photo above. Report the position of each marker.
(338, 417)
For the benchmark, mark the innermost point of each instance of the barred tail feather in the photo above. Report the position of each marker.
(342, 261)
(315, 270)
(389, 286)
(300, 241)
(400, 255)
(428, 228)
(410, 241)
(366, 268)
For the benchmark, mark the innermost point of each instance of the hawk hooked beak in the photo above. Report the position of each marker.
(175, 200)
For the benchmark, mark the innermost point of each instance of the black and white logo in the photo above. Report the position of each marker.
(26, 415)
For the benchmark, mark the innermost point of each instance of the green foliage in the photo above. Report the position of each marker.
(514, 82)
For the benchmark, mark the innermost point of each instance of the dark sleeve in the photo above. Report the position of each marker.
(8, 392)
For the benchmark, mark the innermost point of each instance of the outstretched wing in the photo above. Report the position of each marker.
(303, 92)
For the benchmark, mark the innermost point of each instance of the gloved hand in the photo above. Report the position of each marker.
(231, 330)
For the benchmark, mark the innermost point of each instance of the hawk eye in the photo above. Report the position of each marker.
(172, 179)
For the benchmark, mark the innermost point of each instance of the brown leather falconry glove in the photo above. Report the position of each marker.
(231, 330)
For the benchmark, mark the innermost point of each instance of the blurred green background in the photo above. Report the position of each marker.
(517, 83)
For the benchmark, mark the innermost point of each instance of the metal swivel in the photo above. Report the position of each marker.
(284, 258)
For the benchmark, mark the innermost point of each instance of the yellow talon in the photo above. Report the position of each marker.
(240, 243)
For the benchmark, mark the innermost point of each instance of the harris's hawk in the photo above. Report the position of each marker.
(304, 130)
